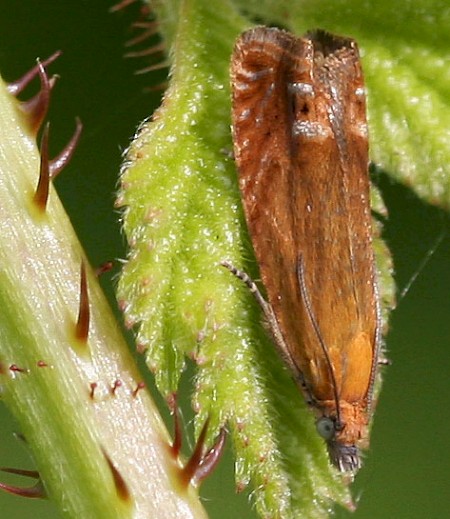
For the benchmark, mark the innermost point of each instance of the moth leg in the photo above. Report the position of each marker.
(280, 343)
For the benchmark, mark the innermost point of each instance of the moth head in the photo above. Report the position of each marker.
(346, 457)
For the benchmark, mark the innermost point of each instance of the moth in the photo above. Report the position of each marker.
(301, 148)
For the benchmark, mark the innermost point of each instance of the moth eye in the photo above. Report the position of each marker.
(325, 427)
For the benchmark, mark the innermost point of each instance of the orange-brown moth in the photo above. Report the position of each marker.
(301, 148)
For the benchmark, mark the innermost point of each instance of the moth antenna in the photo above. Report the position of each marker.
(251, 285)
(308, 306)
(119, 482)
(34, 492)
(41, 194)
(275, 329)
(82, 326)
(58, 163)
(154, 49)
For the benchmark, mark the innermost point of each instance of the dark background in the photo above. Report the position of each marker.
(406, 473)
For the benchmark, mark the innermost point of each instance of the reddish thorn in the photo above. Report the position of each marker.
(121, 5)
(159, 47)
(34, 492)
(172, 401)
(241, 486)
(82, 326)
(36, 107)
(151, 28)
(140, 385)
(21, 472)
(177, 433)
(103, 268)
(129, 323)
(119, 482)
(145, 11)
(351, 506)
(15, 87)
(211, 459)
(142, 348)
(189, 470)
(93, 386)
(115, 386)
(41, 195)
(160, 87)
(41, 364)
(156, 66)
(145, 24)
(60, 161)
(16, 368)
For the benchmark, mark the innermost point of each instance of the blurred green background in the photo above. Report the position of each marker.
(406, 473)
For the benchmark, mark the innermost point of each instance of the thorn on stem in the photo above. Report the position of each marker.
(211, 459)
(82, 326)
(151, 28)
(139, 387)
(36, 491)
(154, 49)
(152, 68)
(121, 487)
(36, 108)
(16, 87)
(49, 169)
(160, 87)
(41, 194)
(103, 268)
(16, 369)
(58, 163)
(177, 433)
(200, 465)
(93, 387)
(121, 5)
(115, 387)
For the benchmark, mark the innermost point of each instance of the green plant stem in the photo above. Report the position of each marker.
(67, 428)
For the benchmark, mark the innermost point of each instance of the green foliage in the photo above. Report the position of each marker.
(183, 217)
